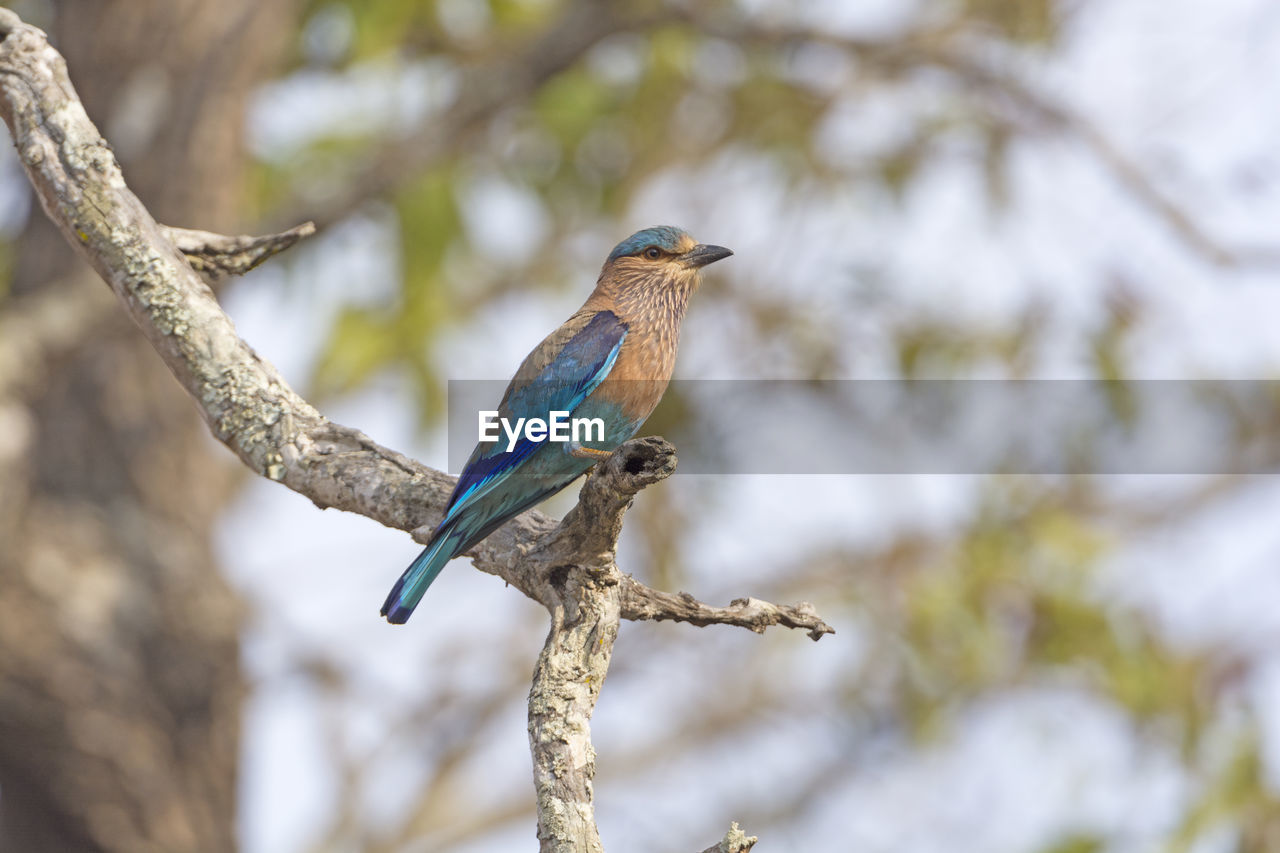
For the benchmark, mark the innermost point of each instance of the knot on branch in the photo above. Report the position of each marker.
(588, 535)
(635, 464)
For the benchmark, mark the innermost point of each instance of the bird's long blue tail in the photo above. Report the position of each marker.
(408, 591)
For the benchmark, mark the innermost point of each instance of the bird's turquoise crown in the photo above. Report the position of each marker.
(665, 237)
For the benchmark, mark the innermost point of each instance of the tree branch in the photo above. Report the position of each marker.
(734, 841)
(42, 326)
(569, 567)
(218, 255)
(640, 602)
(581, 589)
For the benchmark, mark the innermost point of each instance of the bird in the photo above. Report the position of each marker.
(611, 360)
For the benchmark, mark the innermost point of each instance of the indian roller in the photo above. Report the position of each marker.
(611, 360)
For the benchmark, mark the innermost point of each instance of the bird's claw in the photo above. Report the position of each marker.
(576, 450)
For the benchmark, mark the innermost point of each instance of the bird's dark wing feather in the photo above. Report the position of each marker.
(566, 378)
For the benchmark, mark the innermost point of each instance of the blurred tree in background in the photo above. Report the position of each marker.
(486, 155)
(119, 721)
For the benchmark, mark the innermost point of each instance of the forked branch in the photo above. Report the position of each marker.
(568, 567)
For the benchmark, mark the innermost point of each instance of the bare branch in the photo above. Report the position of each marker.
(734, 841)
(640, 602)
(218, 255)
(247, 404)
(41, 326)
(581, 589)
(570, 567)
(249, 407)
(594, 525)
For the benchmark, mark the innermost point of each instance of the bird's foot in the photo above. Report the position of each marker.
(575, 449)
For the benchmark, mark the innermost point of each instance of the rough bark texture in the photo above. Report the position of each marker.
(119, 646)
(582, 591)
(734, 841)
(569, 567)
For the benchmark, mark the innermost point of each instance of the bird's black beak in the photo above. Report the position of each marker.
(702, 254)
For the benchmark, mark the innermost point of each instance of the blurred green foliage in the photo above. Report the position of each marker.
(1009, 601)
(1020, 20)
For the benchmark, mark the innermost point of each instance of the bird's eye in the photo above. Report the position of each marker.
(652, 253)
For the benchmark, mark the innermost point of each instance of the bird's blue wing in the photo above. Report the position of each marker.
(561, 385)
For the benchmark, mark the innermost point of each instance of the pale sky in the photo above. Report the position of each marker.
(1188, 89)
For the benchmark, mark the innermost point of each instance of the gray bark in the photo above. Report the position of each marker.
(569, 567)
